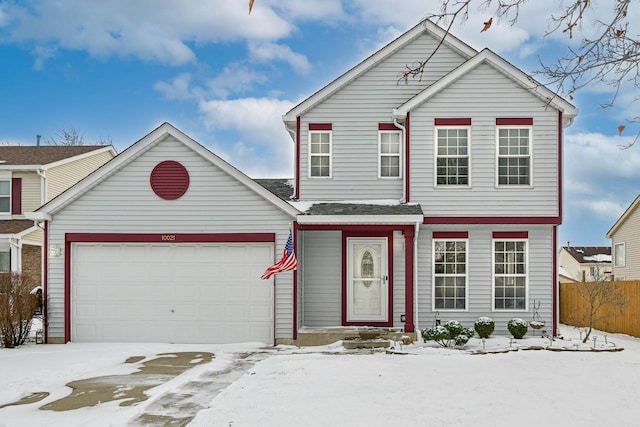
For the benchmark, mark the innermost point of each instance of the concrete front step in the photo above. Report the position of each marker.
(325, 336)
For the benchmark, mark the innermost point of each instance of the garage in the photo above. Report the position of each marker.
(171, 292)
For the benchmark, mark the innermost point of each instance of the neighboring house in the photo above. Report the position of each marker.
(29, 177)
(590, 262)
(440, 198)
(625, 241)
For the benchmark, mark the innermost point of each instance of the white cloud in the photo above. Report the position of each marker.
(235, 78)
(268, 51)
(153, 30)
(258, 120)
(179, 88)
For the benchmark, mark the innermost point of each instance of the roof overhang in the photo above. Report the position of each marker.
(359, 219)
(627, 213)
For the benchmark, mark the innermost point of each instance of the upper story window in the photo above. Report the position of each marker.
(514, 151)
(510, 272)
(320, 150)
(450, 271)
(452, 151)
(5, 196)
(619, 255)
(389, 152)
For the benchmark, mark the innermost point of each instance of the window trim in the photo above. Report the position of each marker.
(624, 258)
(452, 237)
(7, 176)
(329, 155)
(498, 238)
(497, 154)
(441, 126)
(381, 155)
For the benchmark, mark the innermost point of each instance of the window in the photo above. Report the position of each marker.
(514, 155)
(452, 156)
(594, 271)
(618, 254)
(320, 154)
(5, 261)
(510, 274)
(450, 274)
(5, 196)
(389, 143)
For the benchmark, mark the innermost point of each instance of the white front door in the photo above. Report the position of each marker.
(367, 280)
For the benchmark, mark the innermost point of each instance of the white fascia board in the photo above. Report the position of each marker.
(502, 66)
(143, 145)
(359, 219)
(623, 217)
(451, 41)
(37, 216)
(106, 148)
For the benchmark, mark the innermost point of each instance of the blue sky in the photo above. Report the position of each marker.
(115, 70)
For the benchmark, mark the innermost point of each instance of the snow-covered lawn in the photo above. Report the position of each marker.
(329, 386)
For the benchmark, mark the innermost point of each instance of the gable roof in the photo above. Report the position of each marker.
(45, 155)
(634, 205)
(139, 147)
(486, 56)
(590, 254)
(424, 26)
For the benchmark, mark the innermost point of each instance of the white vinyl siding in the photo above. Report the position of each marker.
(320, 154)
(510, 266)
(450, 259)
(468, 97)
(452, 165)
(541, 253)
(514, 148)
(355, 111)
(390, 154)
(214, 203)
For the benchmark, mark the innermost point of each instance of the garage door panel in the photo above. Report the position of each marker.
(209, 293)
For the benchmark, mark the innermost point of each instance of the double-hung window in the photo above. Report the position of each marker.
(510, 272)
(452, 152)
(450, 259)
(514, 151)
(320, 150)
(5, 196)
(389, 150)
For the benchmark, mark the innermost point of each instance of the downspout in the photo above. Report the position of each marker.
(17, 260)
(415, 281)
(295, 160)
(404, 160)
(43, 186)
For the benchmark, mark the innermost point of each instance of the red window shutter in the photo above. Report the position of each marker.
(16, 196)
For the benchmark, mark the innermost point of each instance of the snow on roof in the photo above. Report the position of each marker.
(598, 258)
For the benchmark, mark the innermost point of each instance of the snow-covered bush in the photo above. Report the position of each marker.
(450, 332)
(517, 327)
(484, 326)
(17, 307)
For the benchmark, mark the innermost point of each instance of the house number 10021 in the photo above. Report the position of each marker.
(166, 237)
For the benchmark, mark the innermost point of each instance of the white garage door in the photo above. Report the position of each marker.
(179, 293)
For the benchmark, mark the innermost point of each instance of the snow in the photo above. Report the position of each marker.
(418, 384)
(598, 258)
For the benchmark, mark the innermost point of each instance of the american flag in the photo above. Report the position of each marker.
(286, 263)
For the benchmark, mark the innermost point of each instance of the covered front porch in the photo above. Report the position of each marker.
(356, 271)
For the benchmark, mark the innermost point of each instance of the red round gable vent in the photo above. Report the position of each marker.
(169, 180)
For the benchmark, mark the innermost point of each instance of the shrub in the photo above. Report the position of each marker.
(17, 307)
(517, 327)
(450, 332)
(484, 326)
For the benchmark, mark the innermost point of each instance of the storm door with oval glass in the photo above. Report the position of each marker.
(367, 280)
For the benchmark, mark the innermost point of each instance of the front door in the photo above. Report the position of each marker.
(367, 280)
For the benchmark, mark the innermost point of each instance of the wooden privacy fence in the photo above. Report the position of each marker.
(626, 320)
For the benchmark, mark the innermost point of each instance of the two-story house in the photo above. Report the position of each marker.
(625, 241)
(29, 177)
(438, 198)
(585, 262)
